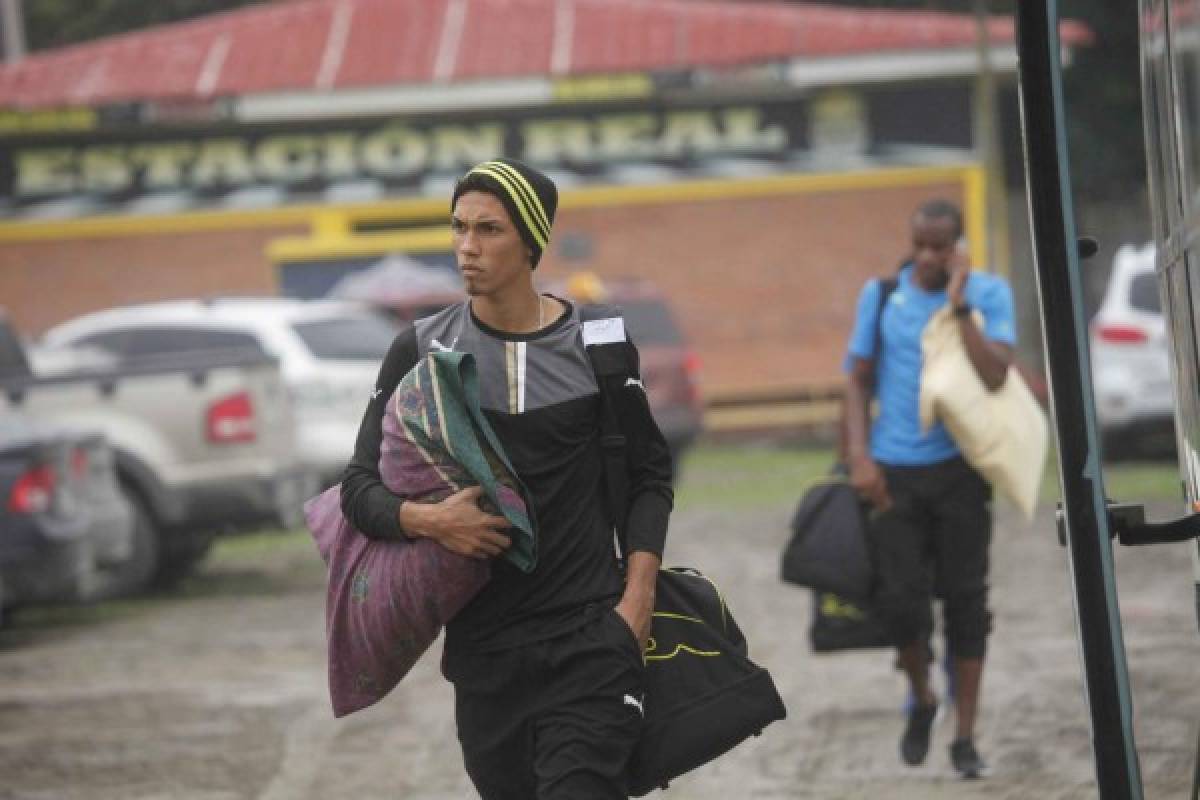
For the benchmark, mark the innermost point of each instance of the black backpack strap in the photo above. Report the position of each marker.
(886, 287)
(612, 365)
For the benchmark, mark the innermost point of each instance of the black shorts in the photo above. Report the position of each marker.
(555, 719)
(934, 540)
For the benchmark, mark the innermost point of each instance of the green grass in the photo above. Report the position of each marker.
(253, 546)
(240, 565)
(734, 477)
(726, 477)
(15, 629)
(270, 561)
(1132, 481)
(1128, 480)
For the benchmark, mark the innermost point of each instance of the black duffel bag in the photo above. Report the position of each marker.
(840, 624)
(703, 694)
(828, 549)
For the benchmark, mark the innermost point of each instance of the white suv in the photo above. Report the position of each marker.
(329, 355)
(1130, 356)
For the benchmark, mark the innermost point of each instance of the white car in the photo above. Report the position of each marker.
(1131, 372)
(329, 354)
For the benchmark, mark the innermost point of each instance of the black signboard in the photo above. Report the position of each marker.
(213, 158)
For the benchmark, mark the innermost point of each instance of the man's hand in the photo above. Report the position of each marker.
(990, 359)
(867, 479)
(960, 270)
(458, 524)
(637, 604)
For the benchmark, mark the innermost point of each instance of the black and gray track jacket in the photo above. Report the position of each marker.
(539, 393)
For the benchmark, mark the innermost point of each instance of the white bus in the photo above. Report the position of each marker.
(1170, 49)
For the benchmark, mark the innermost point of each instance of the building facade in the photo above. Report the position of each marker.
(758, 162)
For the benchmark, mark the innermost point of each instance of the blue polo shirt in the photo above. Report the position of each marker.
(896, 437)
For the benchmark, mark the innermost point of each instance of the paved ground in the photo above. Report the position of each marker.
(218, 693)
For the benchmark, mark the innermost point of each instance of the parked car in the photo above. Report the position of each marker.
(328, 352)
(670, 368)
(1129, 357)
(47, 361)
(202, 442)
(67, 531)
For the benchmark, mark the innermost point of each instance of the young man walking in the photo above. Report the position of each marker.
(547, 666)
(931, 522)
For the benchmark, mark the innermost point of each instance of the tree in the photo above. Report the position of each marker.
(1102, 90)
(55, 23)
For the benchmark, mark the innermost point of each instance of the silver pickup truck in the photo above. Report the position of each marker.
(203, 442)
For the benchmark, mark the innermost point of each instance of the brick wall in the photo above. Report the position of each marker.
(45, 282)
(764, 288)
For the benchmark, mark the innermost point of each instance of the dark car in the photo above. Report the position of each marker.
(670, 369)
(46, 552)
(119, 539)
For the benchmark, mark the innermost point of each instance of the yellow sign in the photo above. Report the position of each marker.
(47, 120)
(603, 87)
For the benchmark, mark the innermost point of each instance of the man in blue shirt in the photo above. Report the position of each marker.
(931, 525)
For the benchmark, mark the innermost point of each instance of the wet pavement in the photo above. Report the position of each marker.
(217, 693)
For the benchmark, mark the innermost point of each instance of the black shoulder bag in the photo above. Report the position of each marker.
(829, 553)
(703, 694)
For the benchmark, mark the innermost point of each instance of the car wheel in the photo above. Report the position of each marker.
(180, 557)
(135, 573)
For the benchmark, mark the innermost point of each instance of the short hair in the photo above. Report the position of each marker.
(942, 209)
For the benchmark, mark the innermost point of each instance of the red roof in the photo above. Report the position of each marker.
(305, 45)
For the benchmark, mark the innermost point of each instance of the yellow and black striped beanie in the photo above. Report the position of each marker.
(530, 197)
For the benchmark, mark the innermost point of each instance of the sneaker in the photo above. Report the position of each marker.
(914, 745)
(966, 760)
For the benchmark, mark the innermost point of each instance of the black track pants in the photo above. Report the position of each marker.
(553, 720)
(934, 541)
